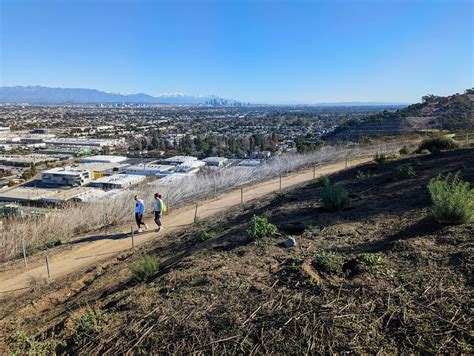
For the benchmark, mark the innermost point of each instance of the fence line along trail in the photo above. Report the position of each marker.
(93, 250)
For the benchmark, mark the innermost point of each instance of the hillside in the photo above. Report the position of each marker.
(452, 113)
(397, 283)
(45, 95)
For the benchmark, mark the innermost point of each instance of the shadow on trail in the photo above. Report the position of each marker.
(118, 236)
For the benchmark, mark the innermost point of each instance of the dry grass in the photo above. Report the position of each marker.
(68, 222)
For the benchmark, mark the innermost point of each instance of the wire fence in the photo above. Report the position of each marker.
(23, 236)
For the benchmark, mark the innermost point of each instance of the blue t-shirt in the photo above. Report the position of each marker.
(139, 207)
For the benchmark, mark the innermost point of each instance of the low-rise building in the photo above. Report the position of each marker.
(150, 169)
(65, 177)
(178, 160)
(118, 181)
(104, 159)
(215, 161)
(249, 163)
(189, 167)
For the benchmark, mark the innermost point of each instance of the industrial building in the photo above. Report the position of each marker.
(178, 160)
(118, 181)
(66, 177)
(215, 161)
(104, 159)
(150, 169)
(250, 163)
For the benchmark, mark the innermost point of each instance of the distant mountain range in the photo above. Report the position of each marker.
(46, 95)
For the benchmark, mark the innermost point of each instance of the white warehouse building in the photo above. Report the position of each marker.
(149, 169)
(104, 159)
(118, 181)
(66, 177)
(215, 161)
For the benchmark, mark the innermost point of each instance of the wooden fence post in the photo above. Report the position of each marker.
(24, 251)
(195, 213)
(241, 195)
(47, 266)
(133, 238)
(314, 172)
(280, 181)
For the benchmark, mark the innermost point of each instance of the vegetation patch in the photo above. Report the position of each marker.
(144, 268)
(334, 198)
(380, 158)
(324, 181)
(329, 262)
(404, 171)
(86, 325)
(437, 143)
(452, 199)
(259, 227)
(22, 344)
(206, 235)
(404, 151)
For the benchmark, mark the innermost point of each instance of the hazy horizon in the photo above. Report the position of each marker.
(299, 52)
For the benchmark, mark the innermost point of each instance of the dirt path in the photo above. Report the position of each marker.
(90, 252)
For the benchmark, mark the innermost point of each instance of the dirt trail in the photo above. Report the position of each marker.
(89, 253)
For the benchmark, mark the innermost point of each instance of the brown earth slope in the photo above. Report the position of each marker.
(451, 113)
(404, 283)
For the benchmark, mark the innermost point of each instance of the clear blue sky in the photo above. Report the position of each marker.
(257, 51)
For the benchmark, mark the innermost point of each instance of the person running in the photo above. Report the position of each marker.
(158, 207)
(139, 211)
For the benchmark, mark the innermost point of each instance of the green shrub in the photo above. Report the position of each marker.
(144, 268)
(86, 325)
(206, 235)
(437, 143)
(405, 171)
(372, 259)
(259, 227)
(334, 198)
(452, 198)
(324, 181)
(21, 344)
(279, 197)
(404, 151)
(329, 262)
(380, 158)
(425, 152)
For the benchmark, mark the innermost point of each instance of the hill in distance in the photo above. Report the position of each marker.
(451, 113)
(46, 95)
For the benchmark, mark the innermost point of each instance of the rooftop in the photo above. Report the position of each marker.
(64, 171)
(103, 159)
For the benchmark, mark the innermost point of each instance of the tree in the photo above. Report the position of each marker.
(155, 142)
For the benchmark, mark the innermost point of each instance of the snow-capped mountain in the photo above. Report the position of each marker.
(46, 95)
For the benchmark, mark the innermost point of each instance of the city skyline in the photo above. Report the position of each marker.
(260, 52)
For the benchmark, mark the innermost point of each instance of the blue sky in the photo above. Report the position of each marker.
(257, 51)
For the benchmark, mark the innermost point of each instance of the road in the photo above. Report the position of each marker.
(17, 278)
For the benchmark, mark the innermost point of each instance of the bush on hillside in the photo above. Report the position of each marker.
(404, 151)
(206, 235)
(87, 324)
(380, 158)
(334, 198)
(437, 143)
(324, 181)
(329, 262)
(259, 227)
(405, 171)
(144, 268)
(452, 198)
